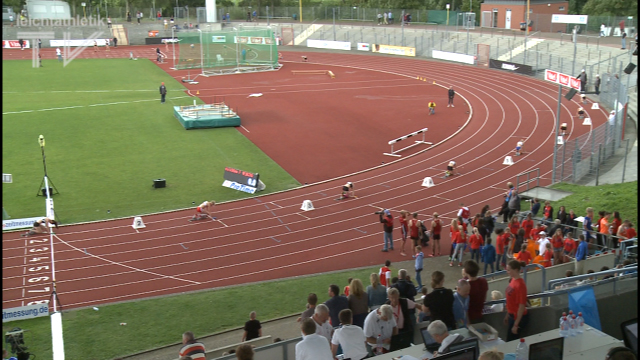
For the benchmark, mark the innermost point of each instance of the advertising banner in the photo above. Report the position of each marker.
(326, 44)
(394, 50)
(443, 55)
(510, 66)
(364, 47)
(569, 19)
(14, 44)
(25, 312)
(562, 79)
(80, 42)
(14, 224)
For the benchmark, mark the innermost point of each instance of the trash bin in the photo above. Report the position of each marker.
(523, 26)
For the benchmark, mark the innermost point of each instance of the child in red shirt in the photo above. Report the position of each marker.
(548, 255)
(458, 242)
(558, 244)
(527, 225)
(569, 246)
(514, 225)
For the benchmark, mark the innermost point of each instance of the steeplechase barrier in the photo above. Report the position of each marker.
(392, 142)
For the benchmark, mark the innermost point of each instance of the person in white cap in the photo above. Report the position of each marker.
(347, 191)
(542, 242)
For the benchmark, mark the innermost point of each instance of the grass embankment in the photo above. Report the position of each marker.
(156, 322)
(107, 137)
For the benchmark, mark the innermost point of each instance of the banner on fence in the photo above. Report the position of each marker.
(326, 44)
(510, 66)
(562, 79)
(14, 224)
(394, 50)
(443, 55)
(80, 42)
(25, 312)
(364, 47)
(569, 19)
(14, 44)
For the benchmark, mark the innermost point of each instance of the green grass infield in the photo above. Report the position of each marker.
(107, 137)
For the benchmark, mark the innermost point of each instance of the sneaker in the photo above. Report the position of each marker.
(391, 248)
(432, 255)
(452, 105)
(450, 264)
(448, 105)
(403, 254)
(459, 264)
(384, 250)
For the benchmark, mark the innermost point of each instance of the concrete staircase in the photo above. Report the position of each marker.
(120, 32)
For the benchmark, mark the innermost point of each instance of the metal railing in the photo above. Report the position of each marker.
(537, 178)
(552, 283)
(524, 274)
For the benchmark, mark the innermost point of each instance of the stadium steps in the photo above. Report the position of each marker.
(119, 32)
(304, 35)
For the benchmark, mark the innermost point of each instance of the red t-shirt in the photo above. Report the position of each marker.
(464, 227)
(556, 241)
(514, 228)
(547, 212)
(456, 237)
(475, 241)
(631, 233)
(437, 228)
(346, 290)
(527, 225)
(500, 244)
(615, 225)
(548, 255)
(465, 213)
(383, 275)
(524, 256)
(413, 228)
(569, 244)
(516, 294)
(477, 297)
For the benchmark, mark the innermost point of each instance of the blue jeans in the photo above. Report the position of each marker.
(624, 43)
(485, 267)
(432, 111)
(388, 241)
(459, 250)
(418, 278)
(475, 255)
(499, 258)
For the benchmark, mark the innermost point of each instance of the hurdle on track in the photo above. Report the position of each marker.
(395, 153)
(314, 72)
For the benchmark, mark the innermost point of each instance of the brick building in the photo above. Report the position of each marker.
(508, 14)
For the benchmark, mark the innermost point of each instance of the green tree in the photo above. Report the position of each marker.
(610, 8)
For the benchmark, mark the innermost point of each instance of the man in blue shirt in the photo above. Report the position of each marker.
(581, 254)
(419, 258)
(336, 303)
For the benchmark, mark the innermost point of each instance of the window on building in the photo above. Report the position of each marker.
(561, 8)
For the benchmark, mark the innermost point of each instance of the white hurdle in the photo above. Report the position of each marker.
(395, 153)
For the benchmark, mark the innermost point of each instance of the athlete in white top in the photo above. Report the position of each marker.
(451, 168)
(519, 147)
(203, 209)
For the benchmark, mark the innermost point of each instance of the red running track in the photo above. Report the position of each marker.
(269, 237)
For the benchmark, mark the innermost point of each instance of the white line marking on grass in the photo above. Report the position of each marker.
(126, 266)
(90, 105)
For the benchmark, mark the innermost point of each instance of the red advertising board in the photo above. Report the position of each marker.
(562, 79)
(14, 44)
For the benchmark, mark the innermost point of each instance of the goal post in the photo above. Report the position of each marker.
(228, 51)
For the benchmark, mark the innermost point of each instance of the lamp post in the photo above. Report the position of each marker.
(526, 34)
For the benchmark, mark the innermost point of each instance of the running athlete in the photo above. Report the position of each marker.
(202, 211)
(451, 167)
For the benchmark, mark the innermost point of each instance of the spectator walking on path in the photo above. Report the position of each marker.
(419, 266)
(489, 255)
(624, 40)
(597, 84)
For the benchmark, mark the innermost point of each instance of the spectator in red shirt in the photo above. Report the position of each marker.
(404, 229)
(569, 246)
(547, 212)
(556, 241)
(527, 225)
(499, 247)
(524, 255)
(414, 233)
(516, 294)
(631, 232)
(514, 225)
(459, 239)
(436, 229)
(385, 274)
(475, 241)
(453, 229)
(478, 292)
(346, 288)
(548, 255)
(508, 243)
(613, 229)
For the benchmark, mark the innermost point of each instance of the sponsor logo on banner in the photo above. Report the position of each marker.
(569, 19)
(394, 50)
(326, 44)
(14, 224)
(14, 44)
(254, 40)
(364, 47)
(562, 79)
(169, 41)
(514, 67)
(234, 185)
(25, 312)
(218, 39)
(153, 33)
(443, 55)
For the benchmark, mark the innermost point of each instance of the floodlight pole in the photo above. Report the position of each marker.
(555, 140)
(201, 52)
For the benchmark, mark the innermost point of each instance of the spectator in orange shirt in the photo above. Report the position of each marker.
(556, 241)
(532, 248)
(538, 259)
(603, 228)
(524, 255)
(569, 246)
(475, 241)
(527, 225)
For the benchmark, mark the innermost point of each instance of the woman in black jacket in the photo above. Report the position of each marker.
(488, 223)
(570, 222)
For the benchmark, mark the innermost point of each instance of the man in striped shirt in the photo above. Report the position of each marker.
(191, 347)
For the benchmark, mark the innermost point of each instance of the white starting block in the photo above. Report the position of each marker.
(138, 223)
(428, 182)
(507, 161)
(595, 106)
(560, 140)
(587, 121)
(307, 205)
